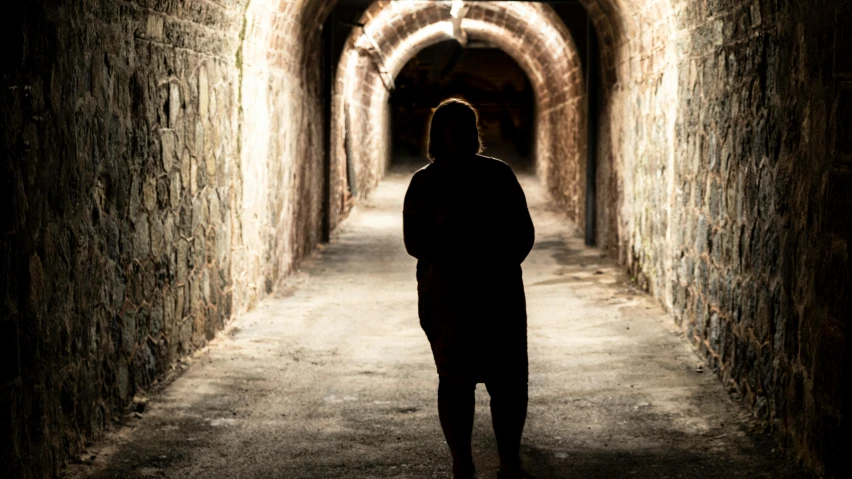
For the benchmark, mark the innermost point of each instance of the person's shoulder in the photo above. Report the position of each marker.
(494, 165)
(424, 171)
(491, 162)
(423, 174)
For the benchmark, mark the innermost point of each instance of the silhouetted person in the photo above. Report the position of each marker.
(467, 223)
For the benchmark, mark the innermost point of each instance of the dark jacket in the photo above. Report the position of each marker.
(467, 223)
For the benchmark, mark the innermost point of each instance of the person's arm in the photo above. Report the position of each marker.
(418, 222)
(508, 233)
(522, 229)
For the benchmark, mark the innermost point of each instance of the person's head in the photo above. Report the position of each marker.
(453, 130)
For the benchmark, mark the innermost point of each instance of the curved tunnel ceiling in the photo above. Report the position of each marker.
(532, 34)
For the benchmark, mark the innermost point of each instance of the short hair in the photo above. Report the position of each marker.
(453, 130)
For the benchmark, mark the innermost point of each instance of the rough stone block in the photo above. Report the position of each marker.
(154, 28)
(843, 40)
(174, 103)
(142, 237)
(128, 332)
(168, 149)
(203, 94)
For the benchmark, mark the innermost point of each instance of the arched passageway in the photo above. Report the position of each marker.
(170, 166)
(394, 32)
(479, 73)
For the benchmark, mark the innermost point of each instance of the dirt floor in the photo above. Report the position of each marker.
(333, 378)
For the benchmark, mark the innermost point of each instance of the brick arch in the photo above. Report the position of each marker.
(393, 33)
(614, 21)
(280, 37)
(610, 32)
(637, 42)
(628, 29)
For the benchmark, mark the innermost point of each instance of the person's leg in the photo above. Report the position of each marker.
(508, 414)
(456, 402)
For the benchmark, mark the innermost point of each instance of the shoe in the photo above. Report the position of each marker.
(472, 475)
(466, 475)
(519, 474)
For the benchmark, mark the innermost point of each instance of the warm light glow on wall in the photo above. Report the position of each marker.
(447, 28)
(422, 38)
(532, 34)
(511, 44)
(456, 8)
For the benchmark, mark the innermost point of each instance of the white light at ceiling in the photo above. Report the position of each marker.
(456, 8)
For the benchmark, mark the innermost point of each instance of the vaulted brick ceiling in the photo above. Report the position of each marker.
(532, 33)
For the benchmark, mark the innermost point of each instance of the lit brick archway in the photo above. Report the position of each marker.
(395, 31)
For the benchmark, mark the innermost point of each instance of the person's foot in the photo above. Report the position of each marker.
(515, 473)
(467, 473)
(471, 475)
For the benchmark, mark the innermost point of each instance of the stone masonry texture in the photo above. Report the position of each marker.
(160, 174)
(729, 140)
(163, 172)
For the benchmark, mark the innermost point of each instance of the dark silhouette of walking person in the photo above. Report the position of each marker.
(467, 223)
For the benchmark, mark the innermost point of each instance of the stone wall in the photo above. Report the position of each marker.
(161, 172)
(280, 153)
(730, 141)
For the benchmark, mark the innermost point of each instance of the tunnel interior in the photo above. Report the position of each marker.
(392, 34)
(482, 75)
(168, 165)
